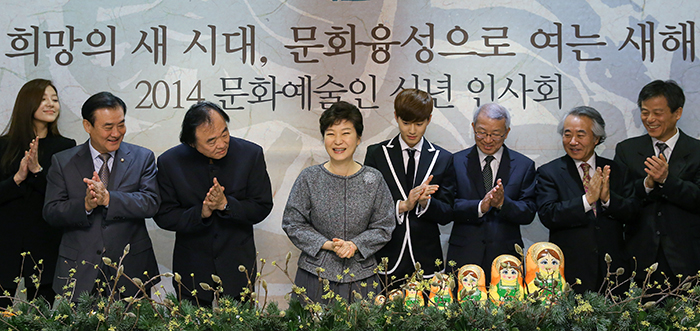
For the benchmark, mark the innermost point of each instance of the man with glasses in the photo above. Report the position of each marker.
(495, 193)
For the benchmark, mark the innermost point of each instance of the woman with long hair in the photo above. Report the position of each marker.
(28, 244)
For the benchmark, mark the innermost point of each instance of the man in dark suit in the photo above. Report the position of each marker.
(421, 179)
(583, 200)
(100, 193)
(214, 189)
(665, 169)
(495, 193)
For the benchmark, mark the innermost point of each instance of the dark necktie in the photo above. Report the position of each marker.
(488, 174)
(104, 169)
(410, 169)
(662, 147)
(587, 182)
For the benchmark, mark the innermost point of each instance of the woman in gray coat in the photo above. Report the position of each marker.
(339, 213)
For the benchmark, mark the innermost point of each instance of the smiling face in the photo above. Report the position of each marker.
(469, 282)
(578, 138)
(49, 107)
(509, 275)
(489, 133)
(658, 119)
(412, 132)
(107, 133)
(341, 140)
(548, 265)
(212, 138)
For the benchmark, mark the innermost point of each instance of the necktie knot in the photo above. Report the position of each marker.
(662, 147)
(105, 156)
(585, 167)
(411, 152)
(488, 159)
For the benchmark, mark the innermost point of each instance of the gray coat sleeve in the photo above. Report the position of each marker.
(296, 220)
(381, 224)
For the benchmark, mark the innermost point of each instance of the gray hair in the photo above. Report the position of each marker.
(598, 126)
(493, 111)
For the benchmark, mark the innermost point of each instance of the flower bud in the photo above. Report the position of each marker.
(205, 286)
(620, 271)
(178, 278)
(518, 249)
(127, 248)
(608, 258)
(216, 279)
(241, 268)
(106, 260)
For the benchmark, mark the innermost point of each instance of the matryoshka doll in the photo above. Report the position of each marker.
(441, 290)
(472, 285)
(545, 269)
(506, 279)
(413, 296)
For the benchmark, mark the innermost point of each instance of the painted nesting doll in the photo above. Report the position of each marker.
(472, 284)
(395, 294)
(441, 290)
(379, 300)
(413, 296)
(506, 279)
(544, 264)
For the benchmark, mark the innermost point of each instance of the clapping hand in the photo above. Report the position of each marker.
(96, 194)
(29, 162)
(215, 200)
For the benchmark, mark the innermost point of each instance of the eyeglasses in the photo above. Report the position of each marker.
(494, 136)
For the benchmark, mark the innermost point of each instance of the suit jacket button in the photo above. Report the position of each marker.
(658, 233)
(658, 214)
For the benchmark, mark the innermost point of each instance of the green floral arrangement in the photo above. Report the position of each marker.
(670, 308)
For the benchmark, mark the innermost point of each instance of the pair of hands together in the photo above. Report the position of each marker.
(656, 169)
(29, 162)
(345, 249)
(493, 198)
(599, 187)
(96, 193)
(215, 199)
(418, 195)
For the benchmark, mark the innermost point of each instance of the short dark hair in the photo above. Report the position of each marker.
(598, 126)
(197, 115)
(413, 105)
(338, 112)
(668, 89)
(99, 101)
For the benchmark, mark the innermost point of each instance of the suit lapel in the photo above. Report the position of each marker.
(679, 156)
(474, 171)
(119, 167)
(426, 159)
(504, 167)
(394, 159)
(84, 164)
(571, 175)
(646, 150)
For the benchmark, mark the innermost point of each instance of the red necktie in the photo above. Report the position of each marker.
(587, 182)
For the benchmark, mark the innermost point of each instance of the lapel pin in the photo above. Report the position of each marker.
(122, 160)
